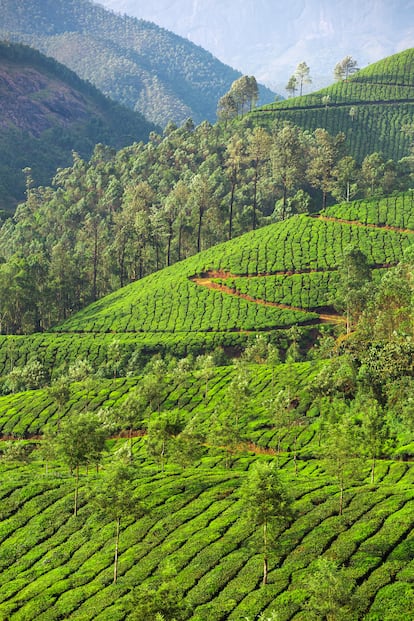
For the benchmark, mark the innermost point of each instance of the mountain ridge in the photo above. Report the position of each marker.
(48, 112)
(148, 68)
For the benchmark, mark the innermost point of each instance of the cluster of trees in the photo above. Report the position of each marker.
(122, 215)
(242, 97)
(301, 76)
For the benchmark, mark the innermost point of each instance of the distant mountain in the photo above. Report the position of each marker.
(268, 38)
(46, 112)
(145, 67)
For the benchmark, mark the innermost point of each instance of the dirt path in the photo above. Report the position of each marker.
(207, 282)
(379, 227)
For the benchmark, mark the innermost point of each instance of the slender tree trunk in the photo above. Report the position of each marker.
(75, 509)
(265, 559)
(256, 179)
(200, 221)
(373, 470)
(341, 497)
(170, 235)
(180, 237)
(233, 188)
(118, 529)
(295, 454)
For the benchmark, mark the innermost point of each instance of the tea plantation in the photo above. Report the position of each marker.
(193, 428)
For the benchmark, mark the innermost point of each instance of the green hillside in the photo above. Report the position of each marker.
(48, 112)
(269, 280)
(371, 107)
(247, 283)
(185, 433)
(143, 66)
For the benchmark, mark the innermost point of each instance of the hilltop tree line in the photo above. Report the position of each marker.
(122, 215)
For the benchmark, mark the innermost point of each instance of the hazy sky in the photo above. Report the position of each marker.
(268, 38)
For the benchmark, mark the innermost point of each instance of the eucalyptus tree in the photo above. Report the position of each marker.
(341, 455)
(344, 68)
(202, 199)
(352, 292)
(80, 442)
(292, 85)
(345, 179)
(227, 108)
(288, 157)
(234, 161)
(331, 592)
(325, 151)
(266, 504)
(258, 152)
(302, 74)
(115, 496)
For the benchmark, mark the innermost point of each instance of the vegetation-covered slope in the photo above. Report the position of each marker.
(143, 66)
(245, 283)
(371, 107)
(46, 113)
(270, 280)
(335, 430)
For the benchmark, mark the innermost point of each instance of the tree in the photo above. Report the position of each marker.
(245, 93)
(114, 497)
(324, 154)
(258, 151)
(60, 392)
(225, 435)
(302, 72)
(227, 108)
(345, 177)
(345, 68)
(235, 158)
(341, 447)
(330, 593)
(266, 503)
(162, 430)
(80, 442)
(288, 161)
(131, 413)
(159, 603)
(292, 85)
(374, 431)
(352, 291)
(236, 401)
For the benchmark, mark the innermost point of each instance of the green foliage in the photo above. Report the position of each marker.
(330, 591)
(145, 67)
(371, 107)
(78, 117)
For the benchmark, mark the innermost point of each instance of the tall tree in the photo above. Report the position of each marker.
(288, 161)
(114, 496)
(346, 67)
(324, 154)
(81, 441)
(292, 85)
(331, 593)
(352, 292)
(266, 503)
(234, 160)
(302, 74)
(258, 151)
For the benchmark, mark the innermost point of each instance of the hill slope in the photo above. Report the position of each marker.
(277, 276)
(371, 107)
(196, 538)
(135, 62)
(46, 113)
(269, 280)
